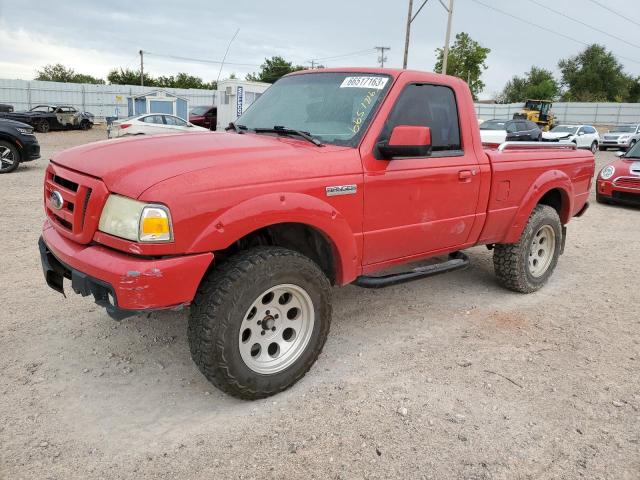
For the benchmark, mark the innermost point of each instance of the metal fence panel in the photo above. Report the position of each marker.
(570, 112)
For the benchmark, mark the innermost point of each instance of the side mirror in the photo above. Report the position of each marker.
(580, 133)
(407, 141)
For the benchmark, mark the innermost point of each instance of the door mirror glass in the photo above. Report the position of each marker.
(407, 141)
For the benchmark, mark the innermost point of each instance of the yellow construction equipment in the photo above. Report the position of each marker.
(538, 111)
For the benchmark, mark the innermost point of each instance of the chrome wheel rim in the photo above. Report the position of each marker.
(543, 246)
(7, 158)
(276, 329)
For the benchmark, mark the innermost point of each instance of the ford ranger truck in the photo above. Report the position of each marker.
(330, 178)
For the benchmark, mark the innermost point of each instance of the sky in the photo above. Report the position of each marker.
(93, 37)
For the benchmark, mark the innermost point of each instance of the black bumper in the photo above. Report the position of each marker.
(55, 272)
(30, 149)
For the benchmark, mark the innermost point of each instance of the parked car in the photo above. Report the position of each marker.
(619, 182)
(53, 117)
(4, 108)
(621, 137)
(152, 124)
(584, 136)
(250, 228)
(17, 144)
(498, 131)
(204, 116)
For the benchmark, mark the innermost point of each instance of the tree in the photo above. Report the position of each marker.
(60, 73)
(594, 75)
(536, 83)
(634, 90)
(183, 80)
(466, 60)
(272, 69)
(126, 76)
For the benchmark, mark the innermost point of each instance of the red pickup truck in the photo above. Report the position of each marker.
(330, 178)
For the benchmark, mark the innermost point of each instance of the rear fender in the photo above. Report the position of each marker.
(274, 208)
(549, 180)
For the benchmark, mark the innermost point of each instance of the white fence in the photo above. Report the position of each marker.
(101, 100)
(571, 112)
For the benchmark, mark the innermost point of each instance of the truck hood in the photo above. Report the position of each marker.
(129, 166)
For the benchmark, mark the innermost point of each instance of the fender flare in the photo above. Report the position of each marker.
(549, 180)
(276, 208)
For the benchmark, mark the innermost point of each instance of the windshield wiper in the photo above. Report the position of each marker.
(236, 128)
(290, 131)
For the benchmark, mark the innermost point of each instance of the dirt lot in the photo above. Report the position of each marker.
(450, 377)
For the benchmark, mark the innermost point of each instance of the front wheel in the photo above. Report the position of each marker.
(259, 321)
(9, 157)
(526, 266)
(594, 147)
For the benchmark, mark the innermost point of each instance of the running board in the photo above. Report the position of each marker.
(457, 261)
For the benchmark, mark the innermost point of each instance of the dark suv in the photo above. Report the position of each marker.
(17, 144)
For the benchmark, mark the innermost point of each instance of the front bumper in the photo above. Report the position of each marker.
(124, 284)
(607, 190)
(615, 143)
(30, 149)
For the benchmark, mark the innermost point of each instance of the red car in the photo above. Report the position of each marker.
(204, 116)
(330, 178)
(619, 182)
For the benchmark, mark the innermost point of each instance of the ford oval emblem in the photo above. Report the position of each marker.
(56, 200)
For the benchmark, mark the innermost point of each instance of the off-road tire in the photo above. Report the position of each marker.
(221, 303)
(16, 156)
(43, 126)
(510, 261)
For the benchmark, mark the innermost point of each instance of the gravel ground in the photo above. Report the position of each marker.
(449, 377)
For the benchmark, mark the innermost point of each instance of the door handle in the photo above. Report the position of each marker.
(466, 175)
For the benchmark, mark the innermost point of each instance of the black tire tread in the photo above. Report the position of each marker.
(206, 326)
(507, 258)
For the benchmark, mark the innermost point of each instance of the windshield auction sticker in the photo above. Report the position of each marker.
(376, 83)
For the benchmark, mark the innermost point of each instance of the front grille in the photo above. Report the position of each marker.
(68, 216)
(627, 182)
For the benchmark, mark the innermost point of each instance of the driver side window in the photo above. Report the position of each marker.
(432, 106)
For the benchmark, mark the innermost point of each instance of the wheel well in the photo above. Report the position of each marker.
(299, 237)
(556, 199)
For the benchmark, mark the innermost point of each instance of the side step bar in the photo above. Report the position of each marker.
(457, 261)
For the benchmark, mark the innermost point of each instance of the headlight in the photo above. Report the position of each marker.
(25, 131)
(136, 221)
(624, 137)
(607, 172)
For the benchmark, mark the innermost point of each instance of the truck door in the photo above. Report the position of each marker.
(413, 206)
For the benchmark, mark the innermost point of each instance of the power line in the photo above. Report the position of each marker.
(584, 23)
(200, 60)
(545, 28)
(352, 54)
(615, 12)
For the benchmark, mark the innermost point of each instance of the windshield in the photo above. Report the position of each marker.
(199, 110)
(564, 129)
(333, 107)
(623, 129)
(493, 125)
(633, 152)
(531, 105)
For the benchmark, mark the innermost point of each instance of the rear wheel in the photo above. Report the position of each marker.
(526, 266)
(9, 157)
(43, 126)
(259, 321)
(85, 125)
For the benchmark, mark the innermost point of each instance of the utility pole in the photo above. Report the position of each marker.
(141, 68)
(445, 53)
(382, 58)
(313, 64)
(410, 18)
